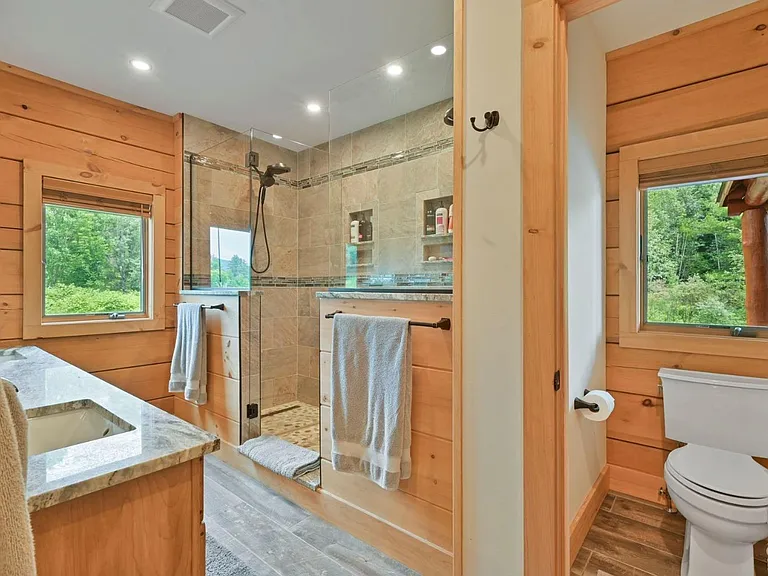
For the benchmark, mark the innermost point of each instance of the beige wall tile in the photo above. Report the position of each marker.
(281, 231)
(399, 219)
(303, 159)
(309, 332)
(279, 362)
(378, 140)
(392, 184)
(267, 333)
(279, 302)
(308, 390)
(309, 361)
(309, 304)
(340, 150)
(398, 255)
(313, 201)
(304, 233)
(421, 174)
(337, 260)
(314, 261)
(285, 332)
(359, 189)
(318, 160)
(285, 201)
(445, 172)
(426, 125)
(284, 261)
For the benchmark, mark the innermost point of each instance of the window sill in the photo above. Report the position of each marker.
(695, 344)
(92, 327)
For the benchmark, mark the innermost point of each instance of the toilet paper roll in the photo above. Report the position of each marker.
(604, 400)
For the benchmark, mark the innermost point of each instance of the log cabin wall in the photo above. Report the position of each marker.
(46, 120)
(709, 74)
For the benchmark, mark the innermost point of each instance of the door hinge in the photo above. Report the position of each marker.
(557, 381)
(252, 411)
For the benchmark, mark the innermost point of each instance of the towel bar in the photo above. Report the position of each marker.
(211, 307)
(443, 323)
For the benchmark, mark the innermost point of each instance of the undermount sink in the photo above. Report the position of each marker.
(69, 424)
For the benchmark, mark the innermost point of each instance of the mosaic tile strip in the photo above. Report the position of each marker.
(414, 280)
(216, 164)
(380, 162)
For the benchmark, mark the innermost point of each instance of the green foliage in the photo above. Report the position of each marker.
(68, 299)
(695, 270)
(93, 261)
(232, 273)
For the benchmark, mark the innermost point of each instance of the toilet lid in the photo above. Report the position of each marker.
(722, 473)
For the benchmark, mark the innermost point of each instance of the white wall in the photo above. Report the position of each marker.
(586, 253)
(492, 314)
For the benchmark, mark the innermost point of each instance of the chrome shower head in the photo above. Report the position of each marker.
(267, 178)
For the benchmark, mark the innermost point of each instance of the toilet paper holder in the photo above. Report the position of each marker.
(579, 404)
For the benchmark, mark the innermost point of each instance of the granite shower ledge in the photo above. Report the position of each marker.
(158, 440)
(217, 292)
(399, 296)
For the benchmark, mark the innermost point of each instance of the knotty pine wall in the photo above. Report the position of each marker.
(709, 74)
(46, 120)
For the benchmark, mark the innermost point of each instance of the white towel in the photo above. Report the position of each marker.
(17, 552)
(188, 364)
(371, 398)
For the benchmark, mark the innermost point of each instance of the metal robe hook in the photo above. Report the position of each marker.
(491, 121)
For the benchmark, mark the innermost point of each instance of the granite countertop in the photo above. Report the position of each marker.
(157, 440)
(400, 296)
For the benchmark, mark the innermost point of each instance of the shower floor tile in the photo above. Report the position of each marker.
(294, 422)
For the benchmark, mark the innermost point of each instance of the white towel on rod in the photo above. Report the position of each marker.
(371, 394)
(189, 360)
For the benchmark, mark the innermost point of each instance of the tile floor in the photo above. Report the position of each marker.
(275, 537)
(296, 422)
(634, 538)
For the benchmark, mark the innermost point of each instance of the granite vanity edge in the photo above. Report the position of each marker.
(399, 296)
(56, 496)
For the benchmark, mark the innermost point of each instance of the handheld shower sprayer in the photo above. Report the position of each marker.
(266, 180)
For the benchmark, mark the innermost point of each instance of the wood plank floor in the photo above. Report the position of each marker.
(275, 537)
(634, 538)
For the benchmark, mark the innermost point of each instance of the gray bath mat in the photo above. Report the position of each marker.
(221, 562)
(280, 456)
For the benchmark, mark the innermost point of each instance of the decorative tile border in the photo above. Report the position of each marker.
(416, 280)
(344, 172)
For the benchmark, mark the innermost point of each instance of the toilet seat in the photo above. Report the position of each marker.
(722, 476)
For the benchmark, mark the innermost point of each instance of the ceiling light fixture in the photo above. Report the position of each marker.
(277, 136)
(141, 65)
(394, 69)
(439, 50)
(314, 107)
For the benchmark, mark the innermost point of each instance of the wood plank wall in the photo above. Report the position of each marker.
(46, 120)
(712, 73)
(423, 505)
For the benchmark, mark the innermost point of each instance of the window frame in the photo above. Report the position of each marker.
(35, 323)
(633, 160)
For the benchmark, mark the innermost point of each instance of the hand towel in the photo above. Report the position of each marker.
(188, 363)
(17, 557)
(371, 398)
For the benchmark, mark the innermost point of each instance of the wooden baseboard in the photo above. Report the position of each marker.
(637, 484)
(585, 517)
(412, 551)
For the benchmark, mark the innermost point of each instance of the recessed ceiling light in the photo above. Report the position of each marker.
(394, 69)
(314, 107)
(277, 136)
(141, 65)
(439, 50)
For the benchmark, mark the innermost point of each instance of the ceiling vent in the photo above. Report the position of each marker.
(206, 16)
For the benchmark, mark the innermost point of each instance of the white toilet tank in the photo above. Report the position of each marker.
(716, 410)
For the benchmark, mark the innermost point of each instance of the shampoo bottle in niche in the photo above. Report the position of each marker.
(441, 220)
(430, 227)
(354, 232)
(450, 219)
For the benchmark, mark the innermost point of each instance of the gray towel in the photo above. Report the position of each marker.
(188, 363)
(17, 557)
(280, 456)
(371, 398)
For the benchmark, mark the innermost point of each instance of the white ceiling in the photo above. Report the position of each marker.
(260, 72)
(631, 21)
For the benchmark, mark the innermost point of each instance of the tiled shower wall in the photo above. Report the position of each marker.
(390, 168)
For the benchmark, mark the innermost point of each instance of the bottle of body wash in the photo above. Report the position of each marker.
(354, 231)
(441, 220)
(450, 219)
(430, 227)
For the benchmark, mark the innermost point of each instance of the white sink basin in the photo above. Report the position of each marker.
(84, 421)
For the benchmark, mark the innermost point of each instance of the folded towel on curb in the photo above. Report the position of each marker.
(188, 363)
(371, 393)
(280, 456)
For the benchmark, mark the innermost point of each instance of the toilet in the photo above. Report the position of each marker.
(715, 484)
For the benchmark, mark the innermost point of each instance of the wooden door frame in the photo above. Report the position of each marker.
(545, 346)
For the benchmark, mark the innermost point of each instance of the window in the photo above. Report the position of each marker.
(94, 267)
(230, 258)
(693, 242)
(694, 256)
